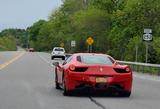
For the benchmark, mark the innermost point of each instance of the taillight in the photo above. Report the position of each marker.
(72, 67)
(77, 69)
(127, 69)
(122, 70)
(80, 69)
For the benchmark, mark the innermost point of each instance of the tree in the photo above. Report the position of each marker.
(115, 25)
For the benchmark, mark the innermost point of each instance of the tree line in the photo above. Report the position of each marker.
(115, 25)
(11, 38)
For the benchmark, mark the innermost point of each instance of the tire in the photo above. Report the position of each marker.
(65, 92)
(57, 86)
(126, 94)
(56, 83)
(63, 58)
(52, 58)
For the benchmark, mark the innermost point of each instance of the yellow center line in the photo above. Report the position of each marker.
(12, 60)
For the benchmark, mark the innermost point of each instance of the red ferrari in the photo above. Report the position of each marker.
(94, 71)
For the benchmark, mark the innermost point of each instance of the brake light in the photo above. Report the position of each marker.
(80, 69)
(127, 69)
(72, 67)
(77, 69)
(122, 70)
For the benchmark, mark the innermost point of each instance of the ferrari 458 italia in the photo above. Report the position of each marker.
(93, 71)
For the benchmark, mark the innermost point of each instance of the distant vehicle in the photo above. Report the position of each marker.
(58, 52)
(93, 71)
(31, 50)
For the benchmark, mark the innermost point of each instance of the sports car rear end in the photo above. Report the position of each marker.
(99, 75)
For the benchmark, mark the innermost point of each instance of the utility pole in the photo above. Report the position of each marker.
(85, 3)
(136, 53)
(146, 52)
(27, 41)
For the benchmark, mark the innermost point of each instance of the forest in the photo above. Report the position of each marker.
(117, 27)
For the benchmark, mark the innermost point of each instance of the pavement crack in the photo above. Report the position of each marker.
(97, 103)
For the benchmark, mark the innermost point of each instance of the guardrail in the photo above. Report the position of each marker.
(143, 67)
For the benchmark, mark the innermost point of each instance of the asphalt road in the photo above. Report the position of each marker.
(27, 82)
(5, 56)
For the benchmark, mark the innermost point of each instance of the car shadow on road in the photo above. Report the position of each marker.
(91, 93)
(88, 93)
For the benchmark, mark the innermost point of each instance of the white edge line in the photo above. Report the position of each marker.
(43, 58)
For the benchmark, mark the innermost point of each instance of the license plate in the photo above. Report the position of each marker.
(101, 80)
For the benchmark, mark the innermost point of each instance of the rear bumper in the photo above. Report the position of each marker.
(58, 56)
(117, 82)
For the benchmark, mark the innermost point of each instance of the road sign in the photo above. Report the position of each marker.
(62, 44)
(90, 41)
(147, 37)
(147, 31)
(73, 43)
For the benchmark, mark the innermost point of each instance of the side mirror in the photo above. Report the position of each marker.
(56, 64)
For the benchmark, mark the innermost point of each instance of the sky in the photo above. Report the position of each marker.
(23, 13)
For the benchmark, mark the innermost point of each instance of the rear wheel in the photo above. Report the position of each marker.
(63, 58)
(126, 94)
(56, 81)
(65, 92)
(57, 86)
(52, 58)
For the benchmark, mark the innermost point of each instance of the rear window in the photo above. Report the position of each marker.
(58, 49)
(96, 59)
